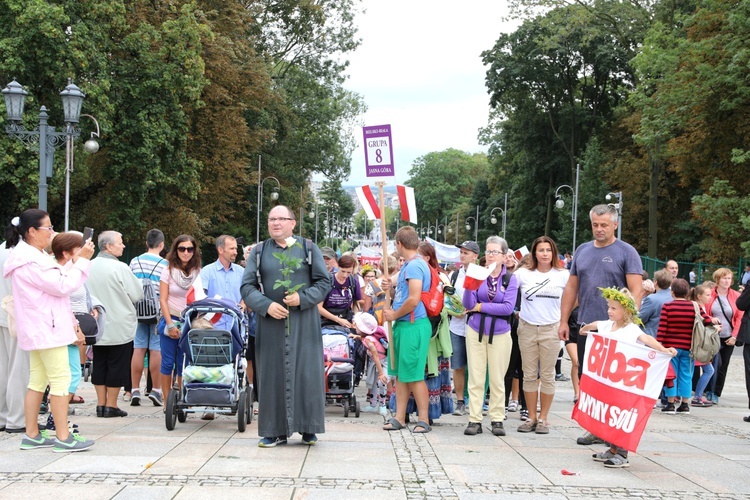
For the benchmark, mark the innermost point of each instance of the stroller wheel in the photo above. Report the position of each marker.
(170, 414)
(181, 416)
(346, 409)
(356, 409)
(242, 411)
(86, 371)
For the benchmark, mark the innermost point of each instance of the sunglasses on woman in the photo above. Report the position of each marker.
(186, 249)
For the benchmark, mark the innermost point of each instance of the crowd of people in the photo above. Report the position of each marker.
(495, 349)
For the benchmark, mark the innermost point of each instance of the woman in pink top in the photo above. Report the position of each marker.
(45, 324)
(177, 279)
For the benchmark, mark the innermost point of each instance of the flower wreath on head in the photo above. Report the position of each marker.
(624, 300)
(366, 269)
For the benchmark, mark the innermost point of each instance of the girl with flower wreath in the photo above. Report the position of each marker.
(623, 319)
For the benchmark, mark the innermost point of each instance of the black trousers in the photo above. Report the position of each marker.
(514, 371)
(721, 364)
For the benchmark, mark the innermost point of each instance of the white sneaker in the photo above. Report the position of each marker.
(384, 410)
(370, 409)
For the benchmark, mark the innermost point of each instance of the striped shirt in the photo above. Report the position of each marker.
(676, 324)
(143, 265)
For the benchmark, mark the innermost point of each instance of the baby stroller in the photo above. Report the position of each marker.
(214, 367)
(339, 369)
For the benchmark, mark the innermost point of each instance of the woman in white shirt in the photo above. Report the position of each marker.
(541, 284)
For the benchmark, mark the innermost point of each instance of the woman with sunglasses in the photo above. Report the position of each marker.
(177, 279)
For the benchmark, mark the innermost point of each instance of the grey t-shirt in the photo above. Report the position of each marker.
(601, 267)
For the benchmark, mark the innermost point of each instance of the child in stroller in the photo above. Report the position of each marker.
(375, 341)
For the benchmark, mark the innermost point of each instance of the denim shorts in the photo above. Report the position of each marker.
(458, 359)
(146, 337)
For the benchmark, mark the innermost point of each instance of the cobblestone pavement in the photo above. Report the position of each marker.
(704, 455)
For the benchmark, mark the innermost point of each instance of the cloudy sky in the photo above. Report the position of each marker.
(419, 69)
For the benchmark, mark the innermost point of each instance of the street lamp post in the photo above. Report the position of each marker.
(450, 228)
(441, 230)
(493, 219)
(310, 213)
(45, 135)
(476, 226)
(274, 196)
(574, 209)
(618, 206)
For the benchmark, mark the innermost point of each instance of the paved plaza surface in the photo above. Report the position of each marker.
(702, 455)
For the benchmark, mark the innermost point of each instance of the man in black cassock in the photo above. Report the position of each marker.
(291, 386)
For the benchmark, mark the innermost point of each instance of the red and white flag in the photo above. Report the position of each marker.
(408, 203)
(521, 252)
(619, 386)
(195, 292)
(476, 275)
(367, 200)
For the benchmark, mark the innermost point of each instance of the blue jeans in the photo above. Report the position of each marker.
(683, 383)
(708, 372)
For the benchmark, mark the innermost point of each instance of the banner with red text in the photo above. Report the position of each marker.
(619, 386)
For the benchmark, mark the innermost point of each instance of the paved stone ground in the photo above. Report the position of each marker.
(704, 455)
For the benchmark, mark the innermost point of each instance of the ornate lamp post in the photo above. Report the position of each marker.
(618, 206)
(45, 135)
(310, 213)
(476, 227)
(493, 219)
(274, 197)
(574, 209)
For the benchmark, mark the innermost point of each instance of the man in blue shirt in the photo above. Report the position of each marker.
(222, 279)
(411, 332)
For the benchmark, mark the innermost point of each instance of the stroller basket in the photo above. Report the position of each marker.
(210, 347)
(209, 394)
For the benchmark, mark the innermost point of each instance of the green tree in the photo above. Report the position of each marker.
(446, 175)
(723, 217)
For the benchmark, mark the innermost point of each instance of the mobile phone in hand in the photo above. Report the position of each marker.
(88, 233)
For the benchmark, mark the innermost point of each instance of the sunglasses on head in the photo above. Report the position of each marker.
(186, 249)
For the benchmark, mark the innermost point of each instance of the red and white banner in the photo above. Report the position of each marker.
(619, 386)
(408, 204)
(367, 200)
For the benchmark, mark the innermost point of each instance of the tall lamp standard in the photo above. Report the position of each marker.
(441, 230)
(450, 228)
(493, 219)
(310, 213)
(476, 226)
(317, 218)
(274, 197)
(574, 209)
(618, 206)
(72, 100)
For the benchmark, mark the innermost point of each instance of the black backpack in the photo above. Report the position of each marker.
(147, 309)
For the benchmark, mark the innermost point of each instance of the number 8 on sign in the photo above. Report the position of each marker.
(378, 151)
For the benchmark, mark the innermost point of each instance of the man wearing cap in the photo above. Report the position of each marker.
(468, 254)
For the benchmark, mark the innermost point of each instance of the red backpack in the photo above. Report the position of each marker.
(434, 297)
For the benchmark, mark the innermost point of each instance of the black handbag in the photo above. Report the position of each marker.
(89, 328)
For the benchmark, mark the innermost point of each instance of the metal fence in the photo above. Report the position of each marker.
(704, 271)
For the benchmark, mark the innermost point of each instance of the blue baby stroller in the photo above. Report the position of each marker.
(214, 366)
(339, 369)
